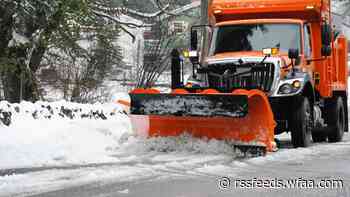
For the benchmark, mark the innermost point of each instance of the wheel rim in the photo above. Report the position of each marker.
(307, 126)
(308, 133)
(341, 121)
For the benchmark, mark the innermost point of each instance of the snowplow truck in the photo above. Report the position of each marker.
(263, 67)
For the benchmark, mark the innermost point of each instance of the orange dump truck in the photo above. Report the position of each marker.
(270, 66)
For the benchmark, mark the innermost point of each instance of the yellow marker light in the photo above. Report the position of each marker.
(296, 84)
(217, 11)
(274, 51)
(186, 54)
(310, 7)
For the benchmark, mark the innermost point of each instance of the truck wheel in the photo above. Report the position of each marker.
(301, 123)
(335, 116)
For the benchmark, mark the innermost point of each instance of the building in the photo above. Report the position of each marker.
(178, 27)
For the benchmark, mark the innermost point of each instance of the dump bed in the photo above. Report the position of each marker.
(248, 9)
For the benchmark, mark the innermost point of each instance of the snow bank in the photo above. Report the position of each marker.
(65, 142)
(56, 110)
(60, 133)
(59, 142)
(64, 133)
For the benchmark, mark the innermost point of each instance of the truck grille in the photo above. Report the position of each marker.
(247, 76)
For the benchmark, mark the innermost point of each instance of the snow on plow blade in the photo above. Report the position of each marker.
(244, 117)
(189, 105)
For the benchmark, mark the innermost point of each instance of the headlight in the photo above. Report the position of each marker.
(296, 84)
(285, 89)
(290, 88)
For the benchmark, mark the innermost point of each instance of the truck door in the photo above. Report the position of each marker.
(307, 47)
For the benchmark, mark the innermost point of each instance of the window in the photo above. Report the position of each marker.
(307, 41)
(178, 27)
(255, 37)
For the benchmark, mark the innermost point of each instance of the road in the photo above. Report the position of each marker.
(191, 175)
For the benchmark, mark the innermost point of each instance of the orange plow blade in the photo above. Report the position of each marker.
(256, 127)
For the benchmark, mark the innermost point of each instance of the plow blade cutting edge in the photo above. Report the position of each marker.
(243, 117)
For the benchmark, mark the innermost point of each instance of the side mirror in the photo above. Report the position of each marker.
(293, 54)
(193, 53)
(326, 34)
(194, 40)
(326, 50)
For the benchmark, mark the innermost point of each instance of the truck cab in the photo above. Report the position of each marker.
(244, 43)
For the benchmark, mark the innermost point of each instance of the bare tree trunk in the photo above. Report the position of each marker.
(76, 92)
(20, 82)
(6, 25)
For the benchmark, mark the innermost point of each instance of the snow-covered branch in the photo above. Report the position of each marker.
(162, 10)
(117, 20)
(149, 15)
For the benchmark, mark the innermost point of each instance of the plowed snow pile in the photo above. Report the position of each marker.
(39, 137)
(180, 144)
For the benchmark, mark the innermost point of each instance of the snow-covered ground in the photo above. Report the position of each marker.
(74, 152)
(136, 160)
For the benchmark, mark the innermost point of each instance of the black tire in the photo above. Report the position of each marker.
(335, 117)
(319, 135)
(301, 123)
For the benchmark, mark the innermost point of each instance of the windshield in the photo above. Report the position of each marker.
(255, 37)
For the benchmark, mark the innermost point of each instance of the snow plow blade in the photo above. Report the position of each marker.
(243, 117)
